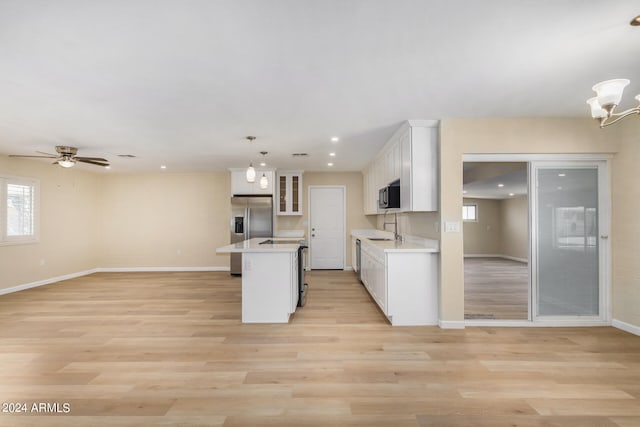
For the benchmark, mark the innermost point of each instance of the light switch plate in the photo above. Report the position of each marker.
(452, 227)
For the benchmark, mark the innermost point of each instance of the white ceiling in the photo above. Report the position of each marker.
(182, 83)
(494, 180)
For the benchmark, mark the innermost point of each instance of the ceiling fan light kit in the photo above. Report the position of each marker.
(608, 97)
(66, 162)
(67, 158)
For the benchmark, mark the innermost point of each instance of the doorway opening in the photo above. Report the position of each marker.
(496, 241)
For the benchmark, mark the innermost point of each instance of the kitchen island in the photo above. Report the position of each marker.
(269, 278)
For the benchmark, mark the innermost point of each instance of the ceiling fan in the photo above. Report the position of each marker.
(67, 158)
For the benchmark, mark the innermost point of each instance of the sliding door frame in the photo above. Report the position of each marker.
(604, 189)
(604, 245)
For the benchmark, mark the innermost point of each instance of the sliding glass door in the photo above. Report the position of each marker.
(570, 221)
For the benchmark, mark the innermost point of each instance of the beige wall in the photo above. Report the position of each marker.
(514, 214)
(502, 228)
(484, 237)
(517, 135)
(92, 220)
(355, 216)
(625, 233)
(165, 220)
(70, 220)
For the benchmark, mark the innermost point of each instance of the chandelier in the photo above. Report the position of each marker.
(608, 96)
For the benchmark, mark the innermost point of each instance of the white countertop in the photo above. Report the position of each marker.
(410, 244)
(253, 245)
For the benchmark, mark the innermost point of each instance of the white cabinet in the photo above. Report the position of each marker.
(403, 284)
(410, 155)
(373, 275)
(412, 288)
(380, 172)
(419, 178)
(393, 161)
(269, 286)
(370, 191)
(240, 186)
(289, 189)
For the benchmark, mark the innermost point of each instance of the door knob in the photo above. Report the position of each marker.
(604, 236)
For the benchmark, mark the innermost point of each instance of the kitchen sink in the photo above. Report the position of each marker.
(380, 239)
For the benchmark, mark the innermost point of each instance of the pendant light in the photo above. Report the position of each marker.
(251, 172)
(264, 182)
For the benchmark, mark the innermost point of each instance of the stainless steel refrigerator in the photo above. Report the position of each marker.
(251, 216)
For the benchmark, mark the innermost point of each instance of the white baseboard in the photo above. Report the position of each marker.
(104, 270)
(156, 269)
(512, 258)
(348, 269)
(627, 327)
(46, 281)
(557, 323)
(451, 324)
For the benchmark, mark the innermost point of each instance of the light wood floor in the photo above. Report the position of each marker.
(169, 349)
(496, 288)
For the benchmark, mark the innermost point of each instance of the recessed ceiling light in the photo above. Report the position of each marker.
(329, 164)
(635, 21)
(107, 167)
(500, 185)
(335, 139)
(511, 194)
(332, 154)
(562, 174)
(163, 167)
(263, 164)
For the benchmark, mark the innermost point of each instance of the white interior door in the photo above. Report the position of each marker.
(570, 232)
(327, 227)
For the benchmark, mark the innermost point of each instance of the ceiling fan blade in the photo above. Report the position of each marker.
(48, 154)
(95, 159)
(42, 157)
(91, 162)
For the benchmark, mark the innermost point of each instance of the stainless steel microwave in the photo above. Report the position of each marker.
(389, 196)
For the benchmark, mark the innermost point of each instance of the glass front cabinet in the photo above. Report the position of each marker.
(289, 186)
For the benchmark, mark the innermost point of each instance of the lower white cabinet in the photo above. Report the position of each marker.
(403, 284)
(269, 286)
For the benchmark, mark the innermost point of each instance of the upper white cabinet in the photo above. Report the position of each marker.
(410, 155)
(393, 161)
(240, 186)
(370, 190)
(289, 190)
(419, 177)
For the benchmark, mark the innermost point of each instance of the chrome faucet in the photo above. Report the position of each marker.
(396, 236)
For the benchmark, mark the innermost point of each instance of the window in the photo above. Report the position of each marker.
(19, 210)
(470, 213)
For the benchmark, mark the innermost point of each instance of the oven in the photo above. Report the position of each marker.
(302, 285)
